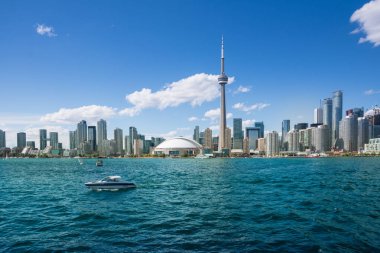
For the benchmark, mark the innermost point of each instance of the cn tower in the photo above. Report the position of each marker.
(222, 80)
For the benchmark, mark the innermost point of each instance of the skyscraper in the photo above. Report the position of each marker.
(102, 131)
(285, 130)
(337, 103)
(238, 134)
(272, 143)
(222, 80)
(260, 125)
(196, 134)
(327, 116)
(92, 137)
(349, 133)
(132, 137)
(73, 139)
(82, 132)
(318, 115)
(227, 138)
(208, 138)
(53, 140)
(2, 139)
(21, 140)
(363, 133)
(43, 139)
(118, 137)
(252, 134)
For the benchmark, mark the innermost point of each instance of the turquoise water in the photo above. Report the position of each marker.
(220, 205)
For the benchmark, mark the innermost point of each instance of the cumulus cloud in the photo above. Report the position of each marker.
(249, 108)
(368, 19)
(214, 114)
(371, 92)
(248, 123)
(192, 119)
(195, 90)
(44, 30)
(74, 115)
(242, 89)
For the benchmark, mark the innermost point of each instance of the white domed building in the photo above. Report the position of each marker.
(178, 146)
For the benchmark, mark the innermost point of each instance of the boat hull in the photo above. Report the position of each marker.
(110, 186)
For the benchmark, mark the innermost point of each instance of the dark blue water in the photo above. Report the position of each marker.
(220, 205)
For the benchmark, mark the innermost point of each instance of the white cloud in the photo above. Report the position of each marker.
(195, 90)
(192, 119)
(249, 108)
(371, 92)
(214, 114)
(74, 115)
(248, 123)
(44, 30)
(368, 18)
(214, 128)
(242, 89)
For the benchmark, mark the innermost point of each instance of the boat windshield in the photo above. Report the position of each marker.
(111, 179)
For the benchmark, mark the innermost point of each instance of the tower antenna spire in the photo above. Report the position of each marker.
(222, 57)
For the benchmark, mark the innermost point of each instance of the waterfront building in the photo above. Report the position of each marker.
(138, 147)
(131, 139)
(373, 146)
(208, 138)
(196, 134)
(363, 133)
(321, 137)
(102, 131)
(53, 140)
(73, 139)
(92, 137)
(252, 134)
(3, 142)
(238, 134)
(261, 146)
(327, 115)
(318, 115)
(222, 80)
(227, 138)
(337, 103)
(349, 133)
(373, 116)
(272, 144)
(293, 140)
(118, 137)
(21, 140)
(82, 132)
(43, 139)
(260, 125)
(31, 144)
(245, 146)
(284, 131)
(178, 146)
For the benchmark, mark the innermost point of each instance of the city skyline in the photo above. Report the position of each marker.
(61, 79)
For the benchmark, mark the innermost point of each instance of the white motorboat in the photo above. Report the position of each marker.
(110, 183)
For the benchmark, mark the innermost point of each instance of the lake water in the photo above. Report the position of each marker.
(203, 205)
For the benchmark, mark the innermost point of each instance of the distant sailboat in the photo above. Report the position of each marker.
(80, 161)
(6, 156)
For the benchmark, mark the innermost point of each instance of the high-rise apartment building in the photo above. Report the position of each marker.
(196, 134)
(284, 131)
(92, 137)
(21, 140)
(227, 138)
(31, 144)
(131, 140)
(327, 115)
(3, 142)
(321, 138)
(238, 134)
(102, 131)
(363, 133)
(73, 139)
(349, 133)
(272, 144)
(337, 110)
(208, 138)
(118, 137)
(293, 140)
(53, 140)
(43, 139)
(82, 132)
(318, 115)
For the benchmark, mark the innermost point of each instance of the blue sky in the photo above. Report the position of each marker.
(152, 64)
